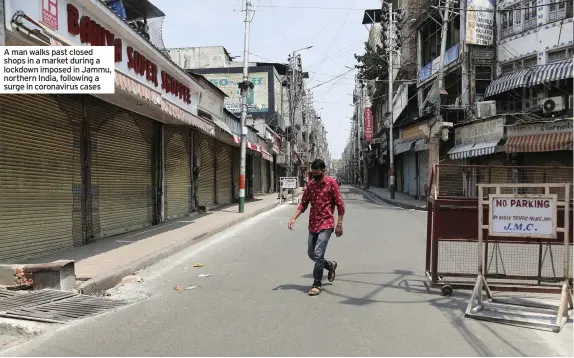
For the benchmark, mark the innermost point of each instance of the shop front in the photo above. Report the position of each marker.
(479, 142)
(83, 167)
(413, 144)
(542, 144)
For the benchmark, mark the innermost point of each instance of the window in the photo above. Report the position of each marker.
(530, 15)
(507, 68)
(558, 55)
(529, 62)
(557, 10)
(482, 78)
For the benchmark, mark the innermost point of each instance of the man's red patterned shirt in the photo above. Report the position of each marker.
(324, 197)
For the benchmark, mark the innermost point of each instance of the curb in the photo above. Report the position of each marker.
(396, 202)
(109, 280)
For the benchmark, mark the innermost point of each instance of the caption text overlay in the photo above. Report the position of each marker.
(62, 69)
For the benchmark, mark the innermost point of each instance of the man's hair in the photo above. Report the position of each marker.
(318, 164)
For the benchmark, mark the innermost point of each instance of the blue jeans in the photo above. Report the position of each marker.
(316, 247)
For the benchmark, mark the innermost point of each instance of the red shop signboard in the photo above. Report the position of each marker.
(368, 124)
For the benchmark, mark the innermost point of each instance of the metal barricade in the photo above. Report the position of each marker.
(511, 264)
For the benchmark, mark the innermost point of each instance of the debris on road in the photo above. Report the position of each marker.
(179, 288)
(197, 265)
(190, 288)
(204, 275)
(131, 279)
(185, 268)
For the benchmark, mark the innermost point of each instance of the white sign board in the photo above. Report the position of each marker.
(523, 216)
(480, 22)
(288, 182)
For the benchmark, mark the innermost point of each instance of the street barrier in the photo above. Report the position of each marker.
(511, 211)
(510, 263)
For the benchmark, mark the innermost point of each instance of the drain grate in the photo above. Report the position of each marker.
(54, 306)
(33, 298)
(7, 294)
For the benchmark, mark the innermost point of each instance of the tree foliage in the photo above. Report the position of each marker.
(372, 65)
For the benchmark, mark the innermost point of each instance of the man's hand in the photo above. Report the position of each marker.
(291, 223)
(339, 230)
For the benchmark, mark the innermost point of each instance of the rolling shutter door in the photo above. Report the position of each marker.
(265, 175)
(257, 174)
(121, 171)
(223, 173)
(177, 173)
(271, 177)
(204, 149)
(39, 167)
(236, 169)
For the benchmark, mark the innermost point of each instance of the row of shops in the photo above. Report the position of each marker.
(78, 168)
(491, 141)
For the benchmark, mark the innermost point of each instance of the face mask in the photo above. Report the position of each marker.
(318, 177)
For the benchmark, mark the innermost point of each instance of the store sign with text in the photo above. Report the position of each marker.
(480, 22)
(540, 128)
(480, 132)
(50, 13)
(523, 215)
(368, 124)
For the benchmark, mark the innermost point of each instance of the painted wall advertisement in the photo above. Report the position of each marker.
(257, 98)
(480, 24)
(368, 124)
(523, 215)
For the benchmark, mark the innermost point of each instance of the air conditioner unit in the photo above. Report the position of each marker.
(570, 102)
(553, 104)
(486, 109)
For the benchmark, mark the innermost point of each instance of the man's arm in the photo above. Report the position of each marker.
(301, 208)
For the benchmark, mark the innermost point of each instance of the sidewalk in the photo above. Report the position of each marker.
(401, 200)
(103, 264)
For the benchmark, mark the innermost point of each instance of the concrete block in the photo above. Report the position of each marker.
(58, 275)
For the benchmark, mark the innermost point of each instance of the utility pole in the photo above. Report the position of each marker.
(434, 140)
(390, 102)
(244, 86)
(358, 115)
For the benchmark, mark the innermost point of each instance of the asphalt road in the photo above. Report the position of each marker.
(255, 302)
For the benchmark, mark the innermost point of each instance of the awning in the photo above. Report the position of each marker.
(223, 126)
(460, 151)
(508, 81)
(539, 143)
(421, 144)
(265, 155)
(551, 72)
(484, 148)
(248, 145)
(402, 147)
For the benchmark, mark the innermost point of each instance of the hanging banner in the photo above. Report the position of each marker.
(368, 124)
(480, 24)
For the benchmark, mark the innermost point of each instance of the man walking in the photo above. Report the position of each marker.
(323, 193)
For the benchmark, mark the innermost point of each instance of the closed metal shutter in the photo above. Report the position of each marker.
(39, 173)
(223, 173)
(236, 170)
(410, 173)
(121, 170)
(177, 172)
(271, 177)
(204, 149)
(265, 175)
(257, 187)
(423, 172)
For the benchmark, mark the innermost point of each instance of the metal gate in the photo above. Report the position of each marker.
(265, 175)
(223, 173)
(39, 175)
(204, 151)
(177, 172)
(257, 175)
(121, 176)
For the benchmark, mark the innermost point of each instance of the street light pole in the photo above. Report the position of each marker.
(390, 100)
(244, 86)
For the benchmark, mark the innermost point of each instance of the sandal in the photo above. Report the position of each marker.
(331, 275)
(315, 291)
